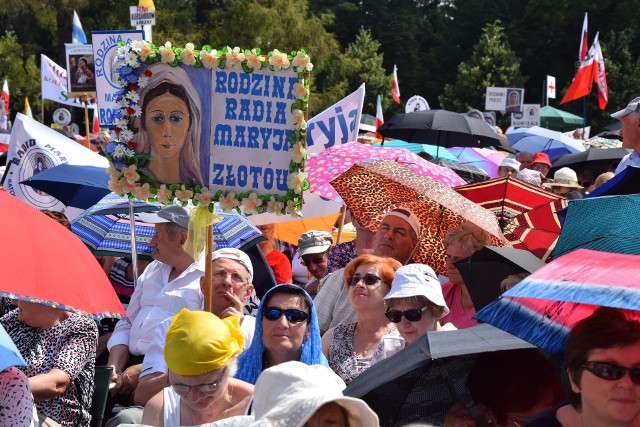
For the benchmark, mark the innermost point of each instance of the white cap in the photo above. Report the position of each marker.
(174, 213)
(632, 107)
(417, 280)
(407, 215)
(510, 163)
(236, 255)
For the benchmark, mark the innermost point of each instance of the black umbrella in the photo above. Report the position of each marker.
(422, 381)
(440, 127)
(469, 173)
(485, 269)
(597, 159)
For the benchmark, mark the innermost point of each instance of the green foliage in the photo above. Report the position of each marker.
(492, 63)
(20, 71)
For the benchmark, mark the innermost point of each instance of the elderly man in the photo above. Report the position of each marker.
(232, 274)
(170, 283)
(630, 119)
(525, 159)
(397, 237)
(313, 249)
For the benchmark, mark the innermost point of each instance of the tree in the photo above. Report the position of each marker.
(492, 63)
(21, 72)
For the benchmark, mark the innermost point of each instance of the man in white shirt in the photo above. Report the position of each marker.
(630, 131)
(397, 237)
(232, 276)
(170, 283)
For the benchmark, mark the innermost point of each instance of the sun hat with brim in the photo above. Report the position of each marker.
(290, 393)
(417, 280)
(174, 213)
(632, 107)
(564, 177)
(541, 158)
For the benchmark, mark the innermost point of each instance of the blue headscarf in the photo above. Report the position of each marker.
(250, 360)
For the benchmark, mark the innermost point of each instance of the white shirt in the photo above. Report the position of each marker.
(156, 299)
(631, 159)
(154, 357)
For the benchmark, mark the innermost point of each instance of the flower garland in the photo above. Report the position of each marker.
(124, 160)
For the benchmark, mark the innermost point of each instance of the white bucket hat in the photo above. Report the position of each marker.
(565, 177)
(290, 393)
(417, 280)
(632, 107)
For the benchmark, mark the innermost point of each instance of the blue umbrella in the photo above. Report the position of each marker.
(79, 186)
(540, 140)
(9, 353)
(432, 150)
(601, 224)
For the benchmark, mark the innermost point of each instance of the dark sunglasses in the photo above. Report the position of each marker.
(367, 279)
(413, 315)
(292, 315)
(612, 372)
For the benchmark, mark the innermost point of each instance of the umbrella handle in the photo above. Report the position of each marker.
(343, 210)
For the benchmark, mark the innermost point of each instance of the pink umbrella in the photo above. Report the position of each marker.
(484, 158)
(331, 163)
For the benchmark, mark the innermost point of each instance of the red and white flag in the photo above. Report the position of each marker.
(585, 77)
(584, 43)
(5, 96)
(395, 89)
(95, 128)
(379, 117)
(601, 78)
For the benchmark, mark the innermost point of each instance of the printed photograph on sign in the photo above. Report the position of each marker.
(211, 125)
(81, 72)
(514, 101)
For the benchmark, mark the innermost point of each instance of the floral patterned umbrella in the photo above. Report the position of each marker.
(330, 163)
(371, 189)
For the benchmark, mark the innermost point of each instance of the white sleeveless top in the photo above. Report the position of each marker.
(171, 408)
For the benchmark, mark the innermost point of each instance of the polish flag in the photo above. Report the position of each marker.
(5, 96)
(584, 43)
(95, 128)
(601, 78)
(395, 89)
(585, 77)
(379, 118)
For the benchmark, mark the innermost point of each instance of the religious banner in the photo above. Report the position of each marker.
(81, 77)
(211, 125)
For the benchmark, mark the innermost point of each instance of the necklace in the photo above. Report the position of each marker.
(364, 352)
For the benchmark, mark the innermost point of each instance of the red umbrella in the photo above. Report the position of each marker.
(537, 230)
(43, 262)
(507, 197)
(372, 188)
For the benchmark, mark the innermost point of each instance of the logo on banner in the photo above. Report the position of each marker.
(416, 103)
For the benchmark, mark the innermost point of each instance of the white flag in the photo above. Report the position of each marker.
(54, 83)
(551, 87)
(337, 124)
(34, 147)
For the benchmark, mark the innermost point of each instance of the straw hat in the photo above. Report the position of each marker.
(564, 177)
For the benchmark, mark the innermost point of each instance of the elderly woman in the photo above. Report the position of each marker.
(286, 329)
(602, 357)
(169, 127)
(415, 303)
(352, 348)
(201, 353)
(460, 243)
(59, 348)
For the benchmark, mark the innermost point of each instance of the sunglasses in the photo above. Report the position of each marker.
(413, 315)
(202, 388)
(367, 279)
(292, 315)
(612, 372)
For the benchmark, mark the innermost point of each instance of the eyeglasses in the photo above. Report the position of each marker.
(292, 315)
(413, 315)
(201, 388)
(612, 372)
(367, 279)
(221, 274)
(316, 260)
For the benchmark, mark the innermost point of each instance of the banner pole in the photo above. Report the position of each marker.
(207, 269)
(86, 122)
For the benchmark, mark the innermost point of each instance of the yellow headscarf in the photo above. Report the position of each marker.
(200, 342)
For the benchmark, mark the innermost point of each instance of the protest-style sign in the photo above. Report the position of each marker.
(141, 15)
(211, 125)
(337, 124)
(504, 99)
(416, 103)
(81, 79)
(530, 116)
(34, 147)
(105, 44)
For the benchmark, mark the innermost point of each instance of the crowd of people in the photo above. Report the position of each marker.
(313, 334)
